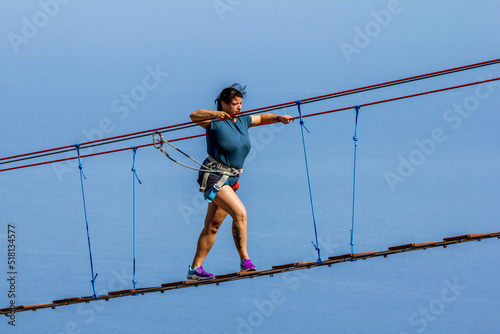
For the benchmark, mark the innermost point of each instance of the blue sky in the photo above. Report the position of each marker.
(74, 71)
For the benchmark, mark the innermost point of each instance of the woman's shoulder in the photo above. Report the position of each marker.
(246, 120)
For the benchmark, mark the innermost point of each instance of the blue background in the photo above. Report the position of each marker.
(66, 71)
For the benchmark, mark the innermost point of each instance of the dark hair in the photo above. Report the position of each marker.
(227, 94)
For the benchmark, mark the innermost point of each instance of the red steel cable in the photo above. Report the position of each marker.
(94, 154)
(252, 111)
(303, 116)
(402, 97)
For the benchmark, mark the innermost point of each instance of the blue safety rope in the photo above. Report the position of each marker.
(134, 176)
(82, 176)
(302, 127)
(355, 139)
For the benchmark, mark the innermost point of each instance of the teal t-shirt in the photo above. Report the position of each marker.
(229, 142)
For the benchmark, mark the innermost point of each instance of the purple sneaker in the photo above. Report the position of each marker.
(246, 265)
(198, 273)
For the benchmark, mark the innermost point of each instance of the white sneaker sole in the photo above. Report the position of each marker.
(196, 277)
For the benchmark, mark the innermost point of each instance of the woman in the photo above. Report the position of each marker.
(228, 144)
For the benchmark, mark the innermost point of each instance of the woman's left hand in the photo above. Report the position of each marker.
(285, 119)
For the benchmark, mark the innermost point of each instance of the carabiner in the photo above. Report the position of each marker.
(158, 143)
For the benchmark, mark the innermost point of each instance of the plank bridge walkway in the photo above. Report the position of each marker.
(243, 275)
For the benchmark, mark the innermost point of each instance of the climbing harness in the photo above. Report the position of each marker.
(213, 166)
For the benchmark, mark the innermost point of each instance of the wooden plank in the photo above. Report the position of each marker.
(414, 245)
(264, 272)
(363, 255)
(458, 237)
(34, 307)
(249, 273)
(68, 300)
(147, 290)
(179, 283)
(351, 256)
(340, 257)
(240, 274)
(473, 236)
(307, 264)
(298, 265)
(227, 275)
(488, 235)
(121, 292)
(130, 292)
(216, 281)
(288, 265)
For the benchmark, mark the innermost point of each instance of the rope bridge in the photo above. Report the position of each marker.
(158, 140)
(251, 274)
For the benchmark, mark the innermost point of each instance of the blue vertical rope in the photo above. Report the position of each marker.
(82, 176)
(355, 139)
(134, 176)
(302, 127)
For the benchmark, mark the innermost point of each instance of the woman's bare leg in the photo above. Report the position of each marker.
(228, 201)
(214, 218)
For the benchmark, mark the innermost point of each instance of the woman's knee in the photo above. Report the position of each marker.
(240, 215)
(213, 226)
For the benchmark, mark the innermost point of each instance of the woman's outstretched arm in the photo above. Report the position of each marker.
(265, 118)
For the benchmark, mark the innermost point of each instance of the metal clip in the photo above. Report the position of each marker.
(158, 142)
